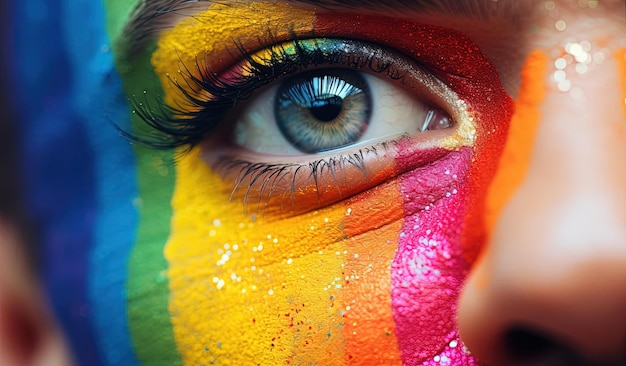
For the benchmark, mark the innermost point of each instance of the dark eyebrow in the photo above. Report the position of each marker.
(151, 17)
(475, 9)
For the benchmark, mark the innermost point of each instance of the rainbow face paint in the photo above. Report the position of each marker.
(380, 271)
(177, 269)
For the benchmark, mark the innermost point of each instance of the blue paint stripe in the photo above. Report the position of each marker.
(81, 177)
(100, 99)
(57, 167)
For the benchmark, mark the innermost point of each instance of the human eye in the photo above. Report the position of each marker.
(345, 94)
(304, 121)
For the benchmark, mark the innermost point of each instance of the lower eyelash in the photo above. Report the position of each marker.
(263, 179)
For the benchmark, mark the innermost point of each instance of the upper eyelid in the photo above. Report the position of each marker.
(421, 42)
(187, 131)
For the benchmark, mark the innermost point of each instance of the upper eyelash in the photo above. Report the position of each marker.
(188, 124)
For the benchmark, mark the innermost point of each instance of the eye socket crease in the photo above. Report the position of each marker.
(151, 17)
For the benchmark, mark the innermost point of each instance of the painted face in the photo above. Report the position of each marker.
(306, 185)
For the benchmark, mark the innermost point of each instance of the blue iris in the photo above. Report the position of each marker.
(323, 109)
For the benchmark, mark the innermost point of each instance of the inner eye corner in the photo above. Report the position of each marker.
(438, 118)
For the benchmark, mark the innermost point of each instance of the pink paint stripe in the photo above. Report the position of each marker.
(429, 270)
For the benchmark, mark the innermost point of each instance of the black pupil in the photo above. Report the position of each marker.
(328, 108)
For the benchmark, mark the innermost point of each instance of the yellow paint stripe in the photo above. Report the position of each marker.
(211, 37)
(247, 290)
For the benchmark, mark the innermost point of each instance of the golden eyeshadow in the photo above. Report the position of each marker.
(209, 37)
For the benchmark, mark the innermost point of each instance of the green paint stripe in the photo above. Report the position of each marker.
(147, 286)
(118, 12)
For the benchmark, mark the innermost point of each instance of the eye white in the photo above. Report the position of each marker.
(394, 112)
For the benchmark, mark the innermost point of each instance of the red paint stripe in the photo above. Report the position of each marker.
(458, 62)
(437, 243)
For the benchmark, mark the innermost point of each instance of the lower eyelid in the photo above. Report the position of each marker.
(293, 188)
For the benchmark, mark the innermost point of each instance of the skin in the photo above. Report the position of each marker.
(538, 222)
(551, 261)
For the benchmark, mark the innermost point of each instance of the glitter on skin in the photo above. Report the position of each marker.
(369, 285)
(429, 265)
(578, 58)
(288, 322)
(419, 337)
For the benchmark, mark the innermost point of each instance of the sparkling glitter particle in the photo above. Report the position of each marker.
(564, 85)
(582, 68)
(598, 57)
(560, 63)
(577, 94)
(559, 75)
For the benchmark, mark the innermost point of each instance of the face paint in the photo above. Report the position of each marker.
(340, 284)
(620, 56)
(488, 102)
(81, 217)
(359, 281)
(212, 32)
(522, 130)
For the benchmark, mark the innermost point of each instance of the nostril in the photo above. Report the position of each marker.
(525, 344)
(526, 347)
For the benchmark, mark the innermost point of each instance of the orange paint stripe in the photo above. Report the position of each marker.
(521, 136)
(373, 226)
(620, 56)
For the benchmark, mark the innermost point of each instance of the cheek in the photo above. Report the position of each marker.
(373, 278)
(310, 287)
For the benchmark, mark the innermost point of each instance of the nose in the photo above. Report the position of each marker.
(550, 286)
